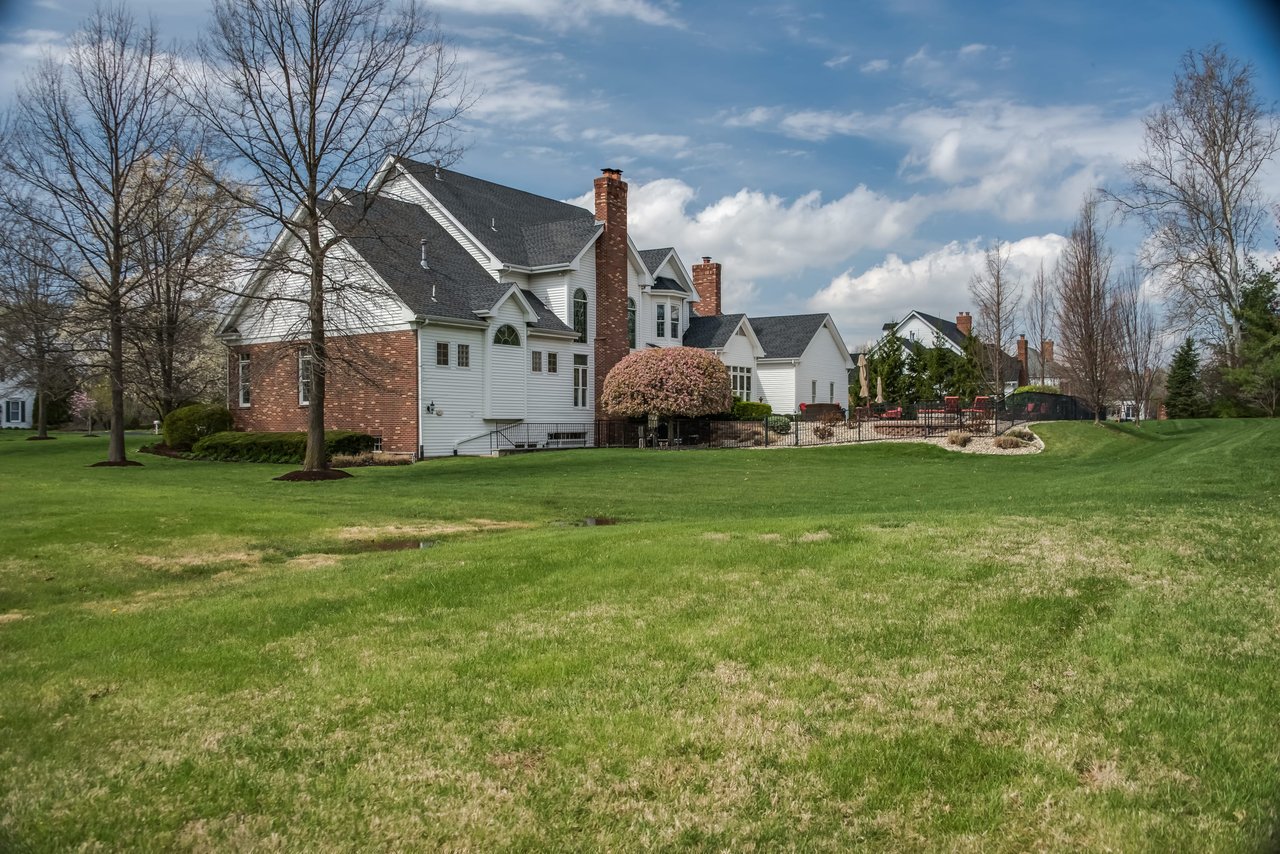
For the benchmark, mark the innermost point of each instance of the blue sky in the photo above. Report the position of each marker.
(845, 157)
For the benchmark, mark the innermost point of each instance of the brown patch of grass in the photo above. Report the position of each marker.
(769, 538)
(12, 617)
(430, 529)
(715, 536)
(312, 561)
(815, 536)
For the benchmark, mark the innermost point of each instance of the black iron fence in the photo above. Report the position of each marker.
(981, 416)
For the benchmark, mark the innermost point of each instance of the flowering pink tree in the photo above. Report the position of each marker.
(667, 382)
(83, 408)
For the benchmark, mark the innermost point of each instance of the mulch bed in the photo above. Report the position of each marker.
(41, 438)
(162, 450)
(321, 474)
(115, 464)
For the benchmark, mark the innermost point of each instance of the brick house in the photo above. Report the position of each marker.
(469, 306)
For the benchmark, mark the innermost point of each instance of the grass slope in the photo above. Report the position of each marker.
(886, 646)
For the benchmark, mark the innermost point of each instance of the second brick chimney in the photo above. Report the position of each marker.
(1046, 351)
(964, 320)
(1024, 372)
(706, 281)
(611, 341)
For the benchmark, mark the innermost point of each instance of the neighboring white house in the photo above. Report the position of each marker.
(17, 405)
(489, 306)
(805, 361)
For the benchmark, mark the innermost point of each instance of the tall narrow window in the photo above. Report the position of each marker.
(675, 322)
(813, 391)
(536, 361)
(831, 393)
(662, 319)
(631, 323)
(740, 381)
(507, 336)
(243, 379)
(304, 379)
(551, 363)
(580, 314)
(579, 380)
(464, 355)
(442, 352)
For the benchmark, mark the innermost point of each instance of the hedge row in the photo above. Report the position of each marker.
(276, 447)
(745, 410)
(188, 425)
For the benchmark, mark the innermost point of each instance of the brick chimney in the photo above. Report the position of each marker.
(611, 342)
(964, 320)
(706, 281)
(1046, 351)
(1024, 373)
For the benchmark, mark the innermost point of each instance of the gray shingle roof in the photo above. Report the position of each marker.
(711, 332)
(948, 328)
(653, 258)
(786, 336)
(388, 237)
(520, 228)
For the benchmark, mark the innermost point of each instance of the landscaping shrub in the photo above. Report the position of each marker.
(343, 461)
(186, 426)
(826, 428)
(747, 411)
(277, 447)
(959, 438)
(1008, 442)
(1021, 433)
(1037, 389)
(780, 424)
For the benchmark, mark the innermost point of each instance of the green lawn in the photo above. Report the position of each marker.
(892, 646)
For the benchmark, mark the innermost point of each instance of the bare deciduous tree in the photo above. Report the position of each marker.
(1086, 310)
(80, 129)
(34, 306)
(311, 97)
(184, 243)
(1039, 315)
(997, 295)
(1196, 189)
(1140, 340)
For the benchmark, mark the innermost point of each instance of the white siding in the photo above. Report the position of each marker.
(551, 395)
(365, 306)
(737, 353)
(456, 393)
(507, 367)
(778, 382)
(824, 362)
(923, 333)
(26, 408)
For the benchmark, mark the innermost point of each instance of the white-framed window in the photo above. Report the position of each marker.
(813, 391)
(535, 361)
(15, 410)
(674, 324)
(552, 363)
(661, 309)
(464, 355)
(243, 377)
(304, 379)
(580, 314)
(442, 352)
(831, 393)
(740, 380)
(506, 336)
(631, 323)
(579, 380)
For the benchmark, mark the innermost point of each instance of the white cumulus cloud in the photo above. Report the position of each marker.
(935, 282)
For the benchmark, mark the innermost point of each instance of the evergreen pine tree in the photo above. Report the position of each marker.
(1184, 397)
(969, 379)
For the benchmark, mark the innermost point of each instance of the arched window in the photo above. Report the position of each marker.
(507, 335)
(631, 323)
(580, 314)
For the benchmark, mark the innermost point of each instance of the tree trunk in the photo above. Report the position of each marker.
(42, 415)
(115, 446)
(316, 458)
